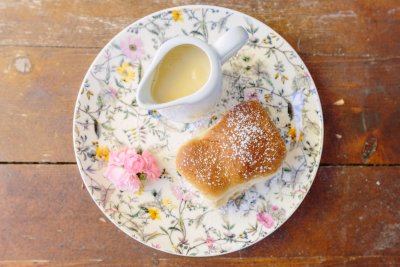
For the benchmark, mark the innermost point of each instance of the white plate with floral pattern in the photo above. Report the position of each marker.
(169, 215)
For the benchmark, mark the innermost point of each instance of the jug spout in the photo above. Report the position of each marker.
(144, 96)
(229, 43)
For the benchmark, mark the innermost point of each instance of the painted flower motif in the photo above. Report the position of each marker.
(89, 93)
(109, 95)
(274, 208)
(267, 40)
(177, 15)
(102, 153)
(133, 48)
(113, 212)
(176, 249)
(180, 194)
(265, 219)
(244, 62)
(253, 39)
(156, 246)
(293, 134)
(126, 72)
(183, 241)
(167, 203)
(154, 213)
(210, 242)
(251, 95)
(243, 235)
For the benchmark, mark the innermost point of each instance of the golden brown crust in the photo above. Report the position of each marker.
(244, 145)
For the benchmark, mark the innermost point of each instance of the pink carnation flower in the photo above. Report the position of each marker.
(265, 219)
(124, 166)
(117, 158)
(134, 162)
(150, 168)
(132, 48)
(122, 179)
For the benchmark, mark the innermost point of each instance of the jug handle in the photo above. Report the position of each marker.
(228, 44)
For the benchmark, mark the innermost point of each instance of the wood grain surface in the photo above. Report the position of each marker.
(334, 28)
(351, 215)
(49, 216)
(54, 79)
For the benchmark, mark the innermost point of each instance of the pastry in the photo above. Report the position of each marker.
(242, 149)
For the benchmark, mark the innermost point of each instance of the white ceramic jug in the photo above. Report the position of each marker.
(192, 107)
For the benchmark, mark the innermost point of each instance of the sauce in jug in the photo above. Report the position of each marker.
(182, 71)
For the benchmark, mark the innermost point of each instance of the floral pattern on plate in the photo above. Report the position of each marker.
(169, 215)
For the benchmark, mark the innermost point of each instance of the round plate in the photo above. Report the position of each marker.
(169, 215)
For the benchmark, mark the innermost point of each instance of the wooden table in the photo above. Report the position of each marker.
(351, 215)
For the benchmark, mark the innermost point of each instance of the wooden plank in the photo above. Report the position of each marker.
(370, 111)
(47, 216)
(342, 27)
(37, 102)
(39, 92)
(219, 261)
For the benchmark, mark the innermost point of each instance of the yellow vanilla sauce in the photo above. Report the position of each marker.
(182, 71)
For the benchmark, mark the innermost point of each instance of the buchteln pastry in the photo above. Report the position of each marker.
(242, 149)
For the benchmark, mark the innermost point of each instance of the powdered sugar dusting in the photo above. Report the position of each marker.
(210, 160)
(246, 131)
(244, 144)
